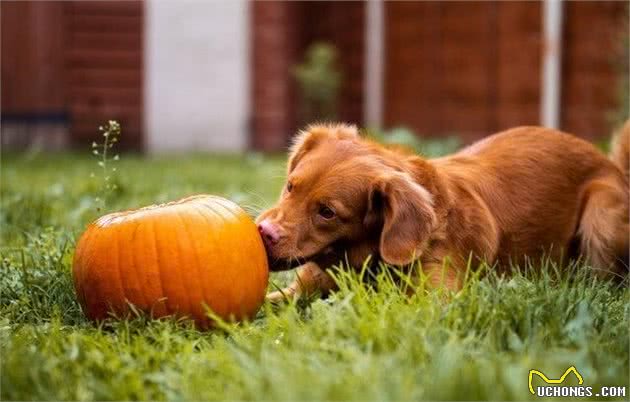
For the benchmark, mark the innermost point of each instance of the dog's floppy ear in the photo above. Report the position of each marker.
(308, 139)
(406, 210)
(303, 142)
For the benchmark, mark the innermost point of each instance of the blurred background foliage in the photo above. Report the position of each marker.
(319, 80)
(425, 146)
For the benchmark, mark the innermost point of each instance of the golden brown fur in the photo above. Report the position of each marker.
(517, 195)
(620, 154)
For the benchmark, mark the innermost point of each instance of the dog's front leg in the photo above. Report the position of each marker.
(310, 279)
(441, 275)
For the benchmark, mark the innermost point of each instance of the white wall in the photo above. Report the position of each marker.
(196, 75)
(374, 63)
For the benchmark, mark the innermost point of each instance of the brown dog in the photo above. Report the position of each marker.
(517, 195)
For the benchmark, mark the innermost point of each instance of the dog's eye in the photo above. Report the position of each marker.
(326, 212)
(289, 187)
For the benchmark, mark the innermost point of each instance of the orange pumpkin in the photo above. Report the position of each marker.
(173, 259)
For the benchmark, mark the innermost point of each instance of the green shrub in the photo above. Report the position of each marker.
(319, 80)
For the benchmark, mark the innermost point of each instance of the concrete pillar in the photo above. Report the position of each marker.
(196, 75)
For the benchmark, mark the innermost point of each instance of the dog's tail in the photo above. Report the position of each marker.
(620, 150)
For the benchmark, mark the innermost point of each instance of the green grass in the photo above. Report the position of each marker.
(363, 343)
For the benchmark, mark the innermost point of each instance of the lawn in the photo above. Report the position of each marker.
(363, 343)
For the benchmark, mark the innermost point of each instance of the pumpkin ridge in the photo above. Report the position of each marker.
(117, 269)
(207, 208)
(120, 273)
(148, 237)
(106, 220)
(196, 259)
(134, 266)
(159, 266)
(229, 209)
(203, 283)
(210, 210)
(184, 297)
(212, 207)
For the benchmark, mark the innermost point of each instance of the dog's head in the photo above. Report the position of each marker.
(346, 194)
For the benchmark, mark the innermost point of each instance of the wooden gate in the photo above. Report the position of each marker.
(461, 67)
(473, 68)
(74, 62)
